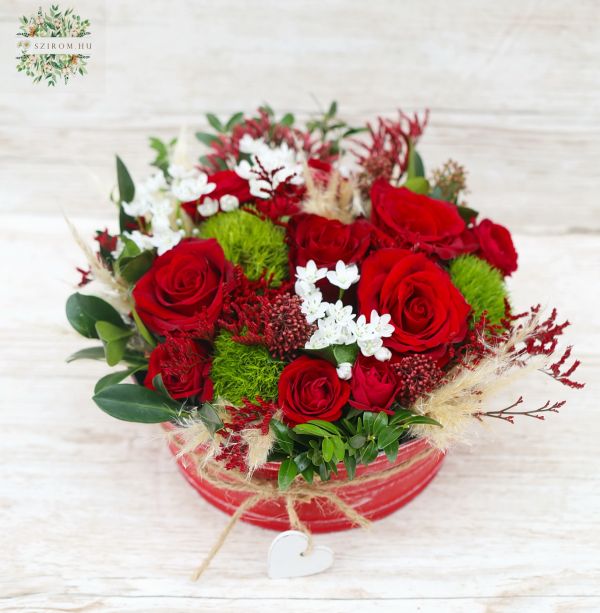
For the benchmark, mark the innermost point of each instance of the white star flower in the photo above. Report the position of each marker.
(344, 371)
(209, 207)
(191, 188)
(381, 324)
(305, 289)
(313, 308)
(316, 341)
(343, 276)
(310, 273)
(343, 315)
(229, 203)
(369, 347)
(383, 354)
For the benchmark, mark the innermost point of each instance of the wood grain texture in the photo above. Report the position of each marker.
(93, 514)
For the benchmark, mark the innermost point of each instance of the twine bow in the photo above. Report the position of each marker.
(260, 489)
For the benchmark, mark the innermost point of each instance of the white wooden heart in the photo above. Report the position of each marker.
(287, 556)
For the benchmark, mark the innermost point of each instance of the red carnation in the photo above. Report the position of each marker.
(496, 246)
(228, 183)
(184, 365)
(311, 389)
(183, 290)
(373, 384)
(427, 311)
(311, 237)
(413, 220)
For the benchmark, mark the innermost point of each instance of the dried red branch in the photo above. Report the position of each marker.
(509, 414)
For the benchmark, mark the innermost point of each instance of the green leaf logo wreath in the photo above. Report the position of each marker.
(51, 67)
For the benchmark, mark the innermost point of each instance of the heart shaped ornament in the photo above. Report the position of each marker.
(287, 557)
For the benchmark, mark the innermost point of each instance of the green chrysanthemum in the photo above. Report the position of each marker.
(481, 285)
(243, 371)
(257, 245)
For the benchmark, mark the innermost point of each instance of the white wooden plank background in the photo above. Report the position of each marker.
(93, 515)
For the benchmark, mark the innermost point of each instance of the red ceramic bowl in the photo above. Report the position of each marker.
(373, 500)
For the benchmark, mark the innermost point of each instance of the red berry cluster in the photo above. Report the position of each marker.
(417, 375)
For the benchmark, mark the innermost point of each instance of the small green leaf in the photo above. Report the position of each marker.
(210, 418)
(283, 435)
(133, 268)
(159, 386)
(126, 193)
(350, 464)
(131, 402)
(287, 473)
(144, 332)
(302, 461)
(422, 419)
(114, 377)
(206, 138)
(381, 421)
(308, 474)
(416, 167)
(388, 436)
(339, 449)
(368, 419)
(332, 109)
(84, 311)
(214, 121)
(337, 354)
(234, 120)
(357, 441)
(466, 213)
(309, 428)
(391, 451)
(287, 120)
(325, 425)
(324, 473)
(327, 449)
(89, 353)
(114, 351)
(417, 185)
(109, 332)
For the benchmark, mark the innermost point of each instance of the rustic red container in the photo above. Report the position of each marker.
(373, 499)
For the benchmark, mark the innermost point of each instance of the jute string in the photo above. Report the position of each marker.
(260, 490)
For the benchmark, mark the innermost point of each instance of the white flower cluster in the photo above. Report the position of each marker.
(157, 201)
(281, 163)
(337, 324)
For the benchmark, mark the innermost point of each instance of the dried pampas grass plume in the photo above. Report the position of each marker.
(259, 445)
(114, 290)
(334, 201)
(456, 403)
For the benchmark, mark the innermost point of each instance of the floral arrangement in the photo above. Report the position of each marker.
(307, 295)
(51, 24)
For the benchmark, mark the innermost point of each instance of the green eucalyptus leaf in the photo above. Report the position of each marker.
(131, 402)
(84, 311)
(287, 473)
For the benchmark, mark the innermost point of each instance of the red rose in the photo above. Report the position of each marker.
(311, 237)
(228, 183)
(311, 389)
(374, 385)
(414, 220)
(184, 365)
(496, 246)
(427, 311)
(183, 290)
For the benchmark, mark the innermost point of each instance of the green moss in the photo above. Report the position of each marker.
(481, 285)
(243, 371)
(253, 243)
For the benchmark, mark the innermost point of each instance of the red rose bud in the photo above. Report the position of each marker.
(183, 290)
(228, 183)
(184, 365)
(414, 220)
(496, 246)
(311, 389)
(311, 237)
(427, 310)
(374, 385)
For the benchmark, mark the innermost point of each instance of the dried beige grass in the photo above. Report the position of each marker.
(335, 201)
